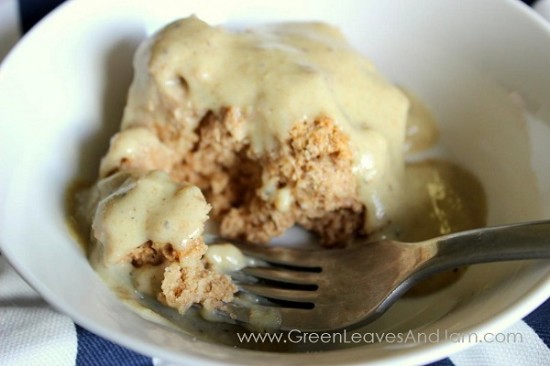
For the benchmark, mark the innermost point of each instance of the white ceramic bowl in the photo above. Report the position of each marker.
(63, 88)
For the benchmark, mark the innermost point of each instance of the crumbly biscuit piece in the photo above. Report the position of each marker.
(180, 278)
(149, 227)
(307, 181)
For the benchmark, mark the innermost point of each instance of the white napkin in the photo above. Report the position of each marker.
(31, 332)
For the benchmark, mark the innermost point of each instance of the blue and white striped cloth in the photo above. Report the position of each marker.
(32, 333)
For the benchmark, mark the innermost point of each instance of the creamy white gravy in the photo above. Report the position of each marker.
(227, 258)
(133, 209)
(278, 75)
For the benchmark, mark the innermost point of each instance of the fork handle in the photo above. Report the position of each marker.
(530, 240)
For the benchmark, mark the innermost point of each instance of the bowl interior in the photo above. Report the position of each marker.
(490, 93)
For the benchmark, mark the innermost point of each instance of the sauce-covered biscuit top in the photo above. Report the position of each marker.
(276, 76)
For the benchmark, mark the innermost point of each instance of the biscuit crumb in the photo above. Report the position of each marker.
(187, 279)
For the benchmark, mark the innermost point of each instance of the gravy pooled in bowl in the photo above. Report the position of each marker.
(259, 131)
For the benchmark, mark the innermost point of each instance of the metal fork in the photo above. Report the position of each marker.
(320, 290)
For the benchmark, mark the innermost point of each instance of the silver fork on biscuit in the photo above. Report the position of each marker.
(321, 290)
